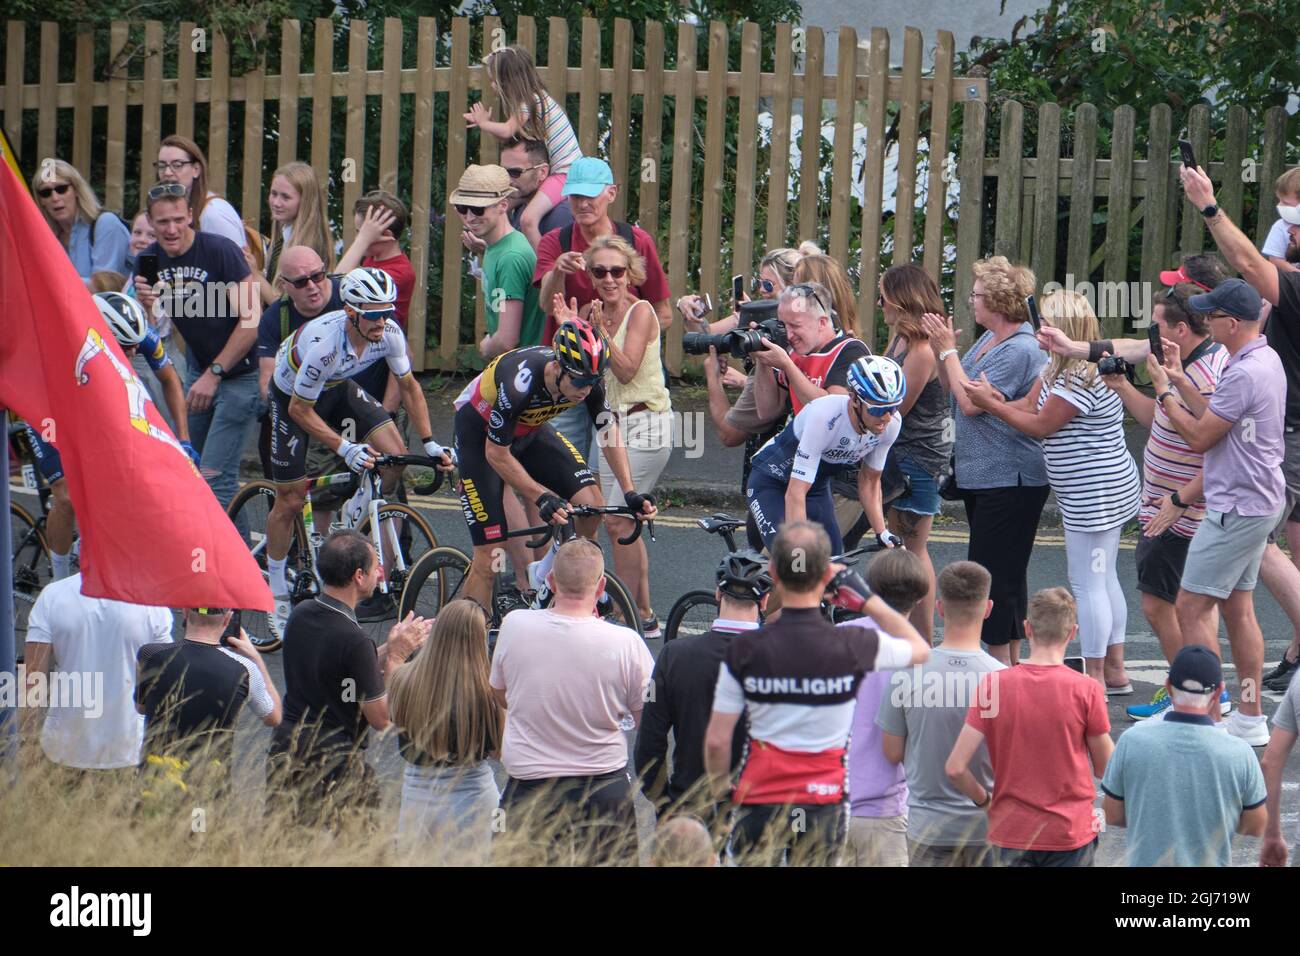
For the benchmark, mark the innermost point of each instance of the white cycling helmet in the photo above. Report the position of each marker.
(368, 286)
(877, 381)
(125, 317)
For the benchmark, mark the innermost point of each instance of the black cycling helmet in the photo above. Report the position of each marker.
(581, 349)
(743, 575)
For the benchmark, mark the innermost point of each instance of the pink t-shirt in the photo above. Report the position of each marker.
(569, 684)
(1037, 732)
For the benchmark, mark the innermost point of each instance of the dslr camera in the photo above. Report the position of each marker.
(1114, 365)
(742, 340)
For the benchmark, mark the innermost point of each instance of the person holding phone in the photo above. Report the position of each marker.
(1081, 425)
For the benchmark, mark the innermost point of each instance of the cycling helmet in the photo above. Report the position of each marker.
(582, 351)
(877, 381)
(744, 575)
(125, 317)
(368, 286)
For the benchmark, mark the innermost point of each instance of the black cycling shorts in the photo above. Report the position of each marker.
(346, 408)
(549, 458)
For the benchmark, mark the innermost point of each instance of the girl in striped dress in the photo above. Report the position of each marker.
(530, 111)
(1096, 482)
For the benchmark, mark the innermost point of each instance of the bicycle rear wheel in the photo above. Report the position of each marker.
(694, 613)
(31, 568)
(248, 511)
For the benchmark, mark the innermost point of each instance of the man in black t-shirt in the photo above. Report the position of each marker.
(335, 684)
(1282, 289)
(191, 692)
(208, 291)
(681, 697)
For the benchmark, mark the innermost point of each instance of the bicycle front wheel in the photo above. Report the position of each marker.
(434, 581)
(31, 568)
(694, 613)
(414, 540)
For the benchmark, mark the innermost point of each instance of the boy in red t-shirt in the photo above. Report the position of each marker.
(381, 219)
(1048, 736)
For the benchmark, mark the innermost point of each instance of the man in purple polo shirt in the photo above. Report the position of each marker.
(1241, 435)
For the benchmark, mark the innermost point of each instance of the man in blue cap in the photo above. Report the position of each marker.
(1180, 787)
(561, 267)
(1241, 436)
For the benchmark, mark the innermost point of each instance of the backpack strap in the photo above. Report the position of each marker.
(622, 229)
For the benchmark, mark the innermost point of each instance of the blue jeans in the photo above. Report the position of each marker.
(220, 433)
(575, 425)
(447, 812)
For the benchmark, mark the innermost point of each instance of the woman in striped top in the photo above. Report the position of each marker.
(1081, 423)
(533, 113)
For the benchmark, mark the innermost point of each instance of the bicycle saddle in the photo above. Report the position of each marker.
(720, 522)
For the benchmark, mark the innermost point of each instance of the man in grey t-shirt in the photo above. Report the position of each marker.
(921, 715)
(1286, 727)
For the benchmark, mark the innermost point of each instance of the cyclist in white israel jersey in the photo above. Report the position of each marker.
(313, 395)
(790, 479)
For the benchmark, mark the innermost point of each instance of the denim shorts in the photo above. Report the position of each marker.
(923, 497)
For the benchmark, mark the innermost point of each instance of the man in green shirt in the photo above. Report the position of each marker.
(482, 200)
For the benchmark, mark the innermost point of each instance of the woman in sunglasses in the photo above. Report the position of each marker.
(96, 239)
(181, 161)
(634, 386)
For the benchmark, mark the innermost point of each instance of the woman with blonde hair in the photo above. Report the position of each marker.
(924, 445)
(819, 267)
(1081, 424)
(449, 723)
(181, 161)
(999, 471)
(96, 240)
(635, 390)
(299, 217)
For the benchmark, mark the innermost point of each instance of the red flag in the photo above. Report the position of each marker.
(151, 530)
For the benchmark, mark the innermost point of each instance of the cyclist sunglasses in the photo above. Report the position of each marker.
(599, 272)
(376, 315)
(583, 381)
(303, 281)
(880, 412)
(163, 190)
(45, 192)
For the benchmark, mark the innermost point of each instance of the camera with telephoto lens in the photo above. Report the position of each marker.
(742, 340)
(1114, 365)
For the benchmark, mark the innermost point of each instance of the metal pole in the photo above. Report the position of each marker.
(8, 665)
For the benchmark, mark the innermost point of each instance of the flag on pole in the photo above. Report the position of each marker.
(151, 530)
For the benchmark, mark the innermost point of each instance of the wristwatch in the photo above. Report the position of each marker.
(1165, 394)
(217, 369)
(1210, 211)
(988, 798)
(1177, 502)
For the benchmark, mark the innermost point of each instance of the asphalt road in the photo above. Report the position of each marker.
(683, 557)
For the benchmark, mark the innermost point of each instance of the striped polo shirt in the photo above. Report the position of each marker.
(561, 140)
(1168, 464)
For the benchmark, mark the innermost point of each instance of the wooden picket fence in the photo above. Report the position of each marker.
(1029, 223)
(608, 85)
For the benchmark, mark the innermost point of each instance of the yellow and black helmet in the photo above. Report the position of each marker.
(582, 350)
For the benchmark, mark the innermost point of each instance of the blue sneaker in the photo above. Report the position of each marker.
(1160, 702)
(1225, 703)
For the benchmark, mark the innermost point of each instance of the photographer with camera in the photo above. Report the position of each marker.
(1081, 425)
(808, 357)
(740, 423)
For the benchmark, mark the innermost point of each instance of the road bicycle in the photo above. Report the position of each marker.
(398, 532)
(695, 611)
(438, 577)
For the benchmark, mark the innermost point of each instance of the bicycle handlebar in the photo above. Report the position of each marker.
(545, 532)
(426, 461)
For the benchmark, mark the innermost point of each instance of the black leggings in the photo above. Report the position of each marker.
(582, 820)
(1003, 523)
(805, 834)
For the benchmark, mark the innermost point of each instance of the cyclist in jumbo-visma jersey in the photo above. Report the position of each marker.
(313, 392)
(504, 437)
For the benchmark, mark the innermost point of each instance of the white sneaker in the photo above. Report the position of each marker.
(1253, 730)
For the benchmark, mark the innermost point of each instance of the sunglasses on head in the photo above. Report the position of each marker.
(45, 192)
(303, 281)
(808, 291)
(599, 272)
(163, 190)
